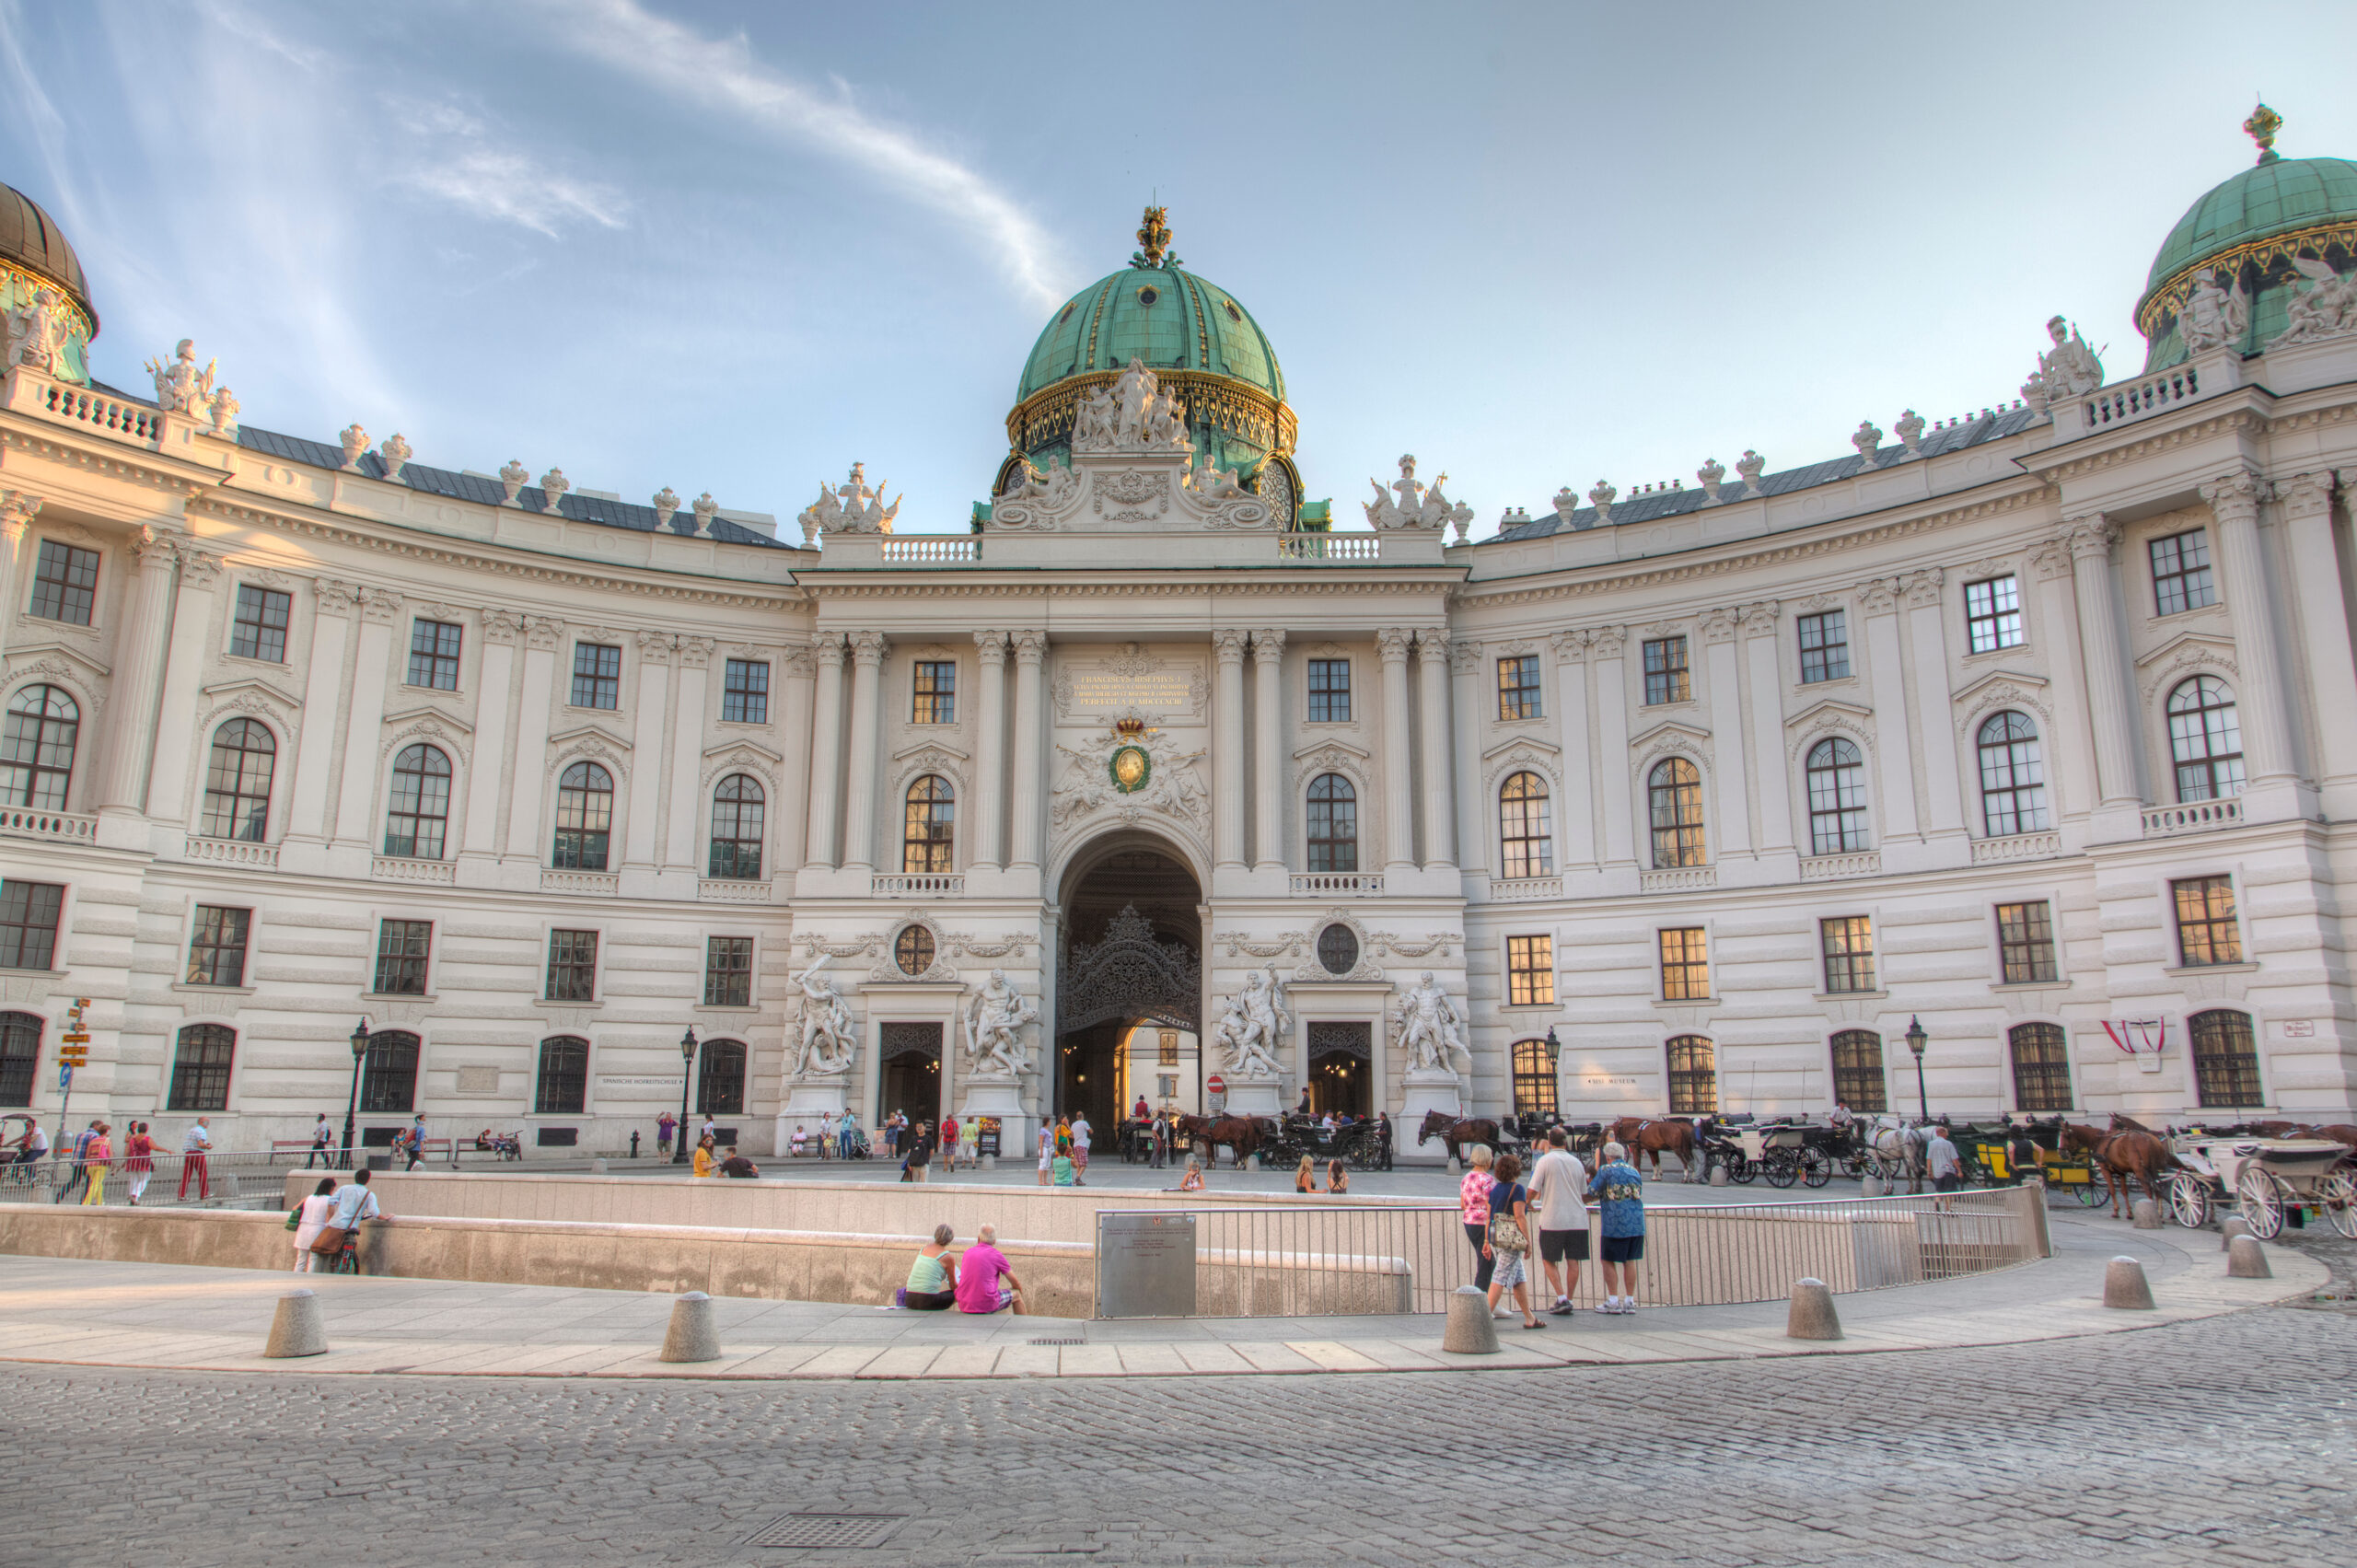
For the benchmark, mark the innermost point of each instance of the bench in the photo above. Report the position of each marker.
(294, 1146)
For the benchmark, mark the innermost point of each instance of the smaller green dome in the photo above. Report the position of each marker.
(2277, 198)
(1170, 320)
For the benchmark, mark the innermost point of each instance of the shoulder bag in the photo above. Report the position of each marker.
(1506, 1235)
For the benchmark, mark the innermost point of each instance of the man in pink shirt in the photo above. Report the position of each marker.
(977, 1277)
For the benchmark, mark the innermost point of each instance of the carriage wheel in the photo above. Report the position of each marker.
(2093, 1193)
(1740, 1170)
(1816, 1168)
(2189, 1200)
(1780, 1169)
(2262, 1202)
(2338, 1195)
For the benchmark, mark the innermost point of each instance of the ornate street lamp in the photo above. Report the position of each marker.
(687, 1066)
(1916, 1040)
(352, 1110)
(1554, 1068)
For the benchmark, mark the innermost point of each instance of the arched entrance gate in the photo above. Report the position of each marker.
(1129, 956)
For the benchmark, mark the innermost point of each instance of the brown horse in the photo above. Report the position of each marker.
(1244, 1135)
(1457, 1131)
(2136, 1155)
(1642, 1136)
(2078, 1138)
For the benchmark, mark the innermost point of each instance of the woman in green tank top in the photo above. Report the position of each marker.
(933, 1278)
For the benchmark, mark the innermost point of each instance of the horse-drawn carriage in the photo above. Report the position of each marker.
(1358, 1144)
(2264, 1178)
(1783, 1152)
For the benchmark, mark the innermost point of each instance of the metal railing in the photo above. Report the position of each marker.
(226, 1178)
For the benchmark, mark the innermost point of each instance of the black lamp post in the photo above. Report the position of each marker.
(352, 1110)
(687, 1066)
(1554, 1060)
(1916, 1040)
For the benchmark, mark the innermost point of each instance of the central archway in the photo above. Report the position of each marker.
(1129, 982)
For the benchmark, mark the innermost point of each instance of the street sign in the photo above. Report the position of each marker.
(64, 1078)
(75, 1037)
(1215, 1084)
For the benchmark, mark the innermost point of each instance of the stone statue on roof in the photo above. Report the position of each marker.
(1418, 506)
(2326, 308)
(2069, 369)
(40, 332)
(2212, 315)
(181, 387)
(850, 507)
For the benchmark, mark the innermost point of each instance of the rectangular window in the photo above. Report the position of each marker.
(1824, 647)
(29, 912)
(1329, 690)
(2025, 942)
(936, 693)
(1849, 953)
(2181, 578)
(573, 966)
(1992, 613)
(565, 1077)
(1665, 678)
(433, 654)
(402, 948)
(2041, 1068)
(66, 583)
(1167, 1052)
(2206, 932)
(745, 691)
(1518, 687)
(728, 971)
(1531, 972)
(201, 1068)
(1684, 965)
(216, 951)
(258, 630)
(597, 676)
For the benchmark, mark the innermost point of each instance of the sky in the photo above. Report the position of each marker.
(737, 247)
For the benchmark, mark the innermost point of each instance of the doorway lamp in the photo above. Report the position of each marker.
(687, 1065)
(1916, 1040)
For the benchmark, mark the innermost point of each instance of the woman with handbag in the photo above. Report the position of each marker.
(1508, 1245)
(309, 1218)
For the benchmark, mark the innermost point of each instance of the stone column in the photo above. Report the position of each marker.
(2266, 717)
(1771, 772)
(1886, 677)
(1267, 767)
(17, 509)
(1399, 822)
(1475, 813)
(1934, 738)
(793, 807)
(356, 824)
(868, 651)
(2069, 749)
(168, 786)
(1576, 812)
(138, 673)
(1227, 747)
(1725, 694)
(685, 792)
(496, 674)
(2306, 503)
(826, 751)
(988, 809)
(2110, 700)
(1605, 661)
(542, 636)
(331, 606)
(1027, 805)
(642, 823)
(1440, 767)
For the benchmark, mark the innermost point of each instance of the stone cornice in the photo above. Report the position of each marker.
(134, 464)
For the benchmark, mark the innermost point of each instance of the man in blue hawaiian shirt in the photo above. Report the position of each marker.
(1620, 1190)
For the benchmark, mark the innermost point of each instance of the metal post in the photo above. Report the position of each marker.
(1916, 1040)
(687, 1066)
(352, 1109)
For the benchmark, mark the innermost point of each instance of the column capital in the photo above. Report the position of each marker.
(1607, 642)
(1465, 654)
(153, 547)
(2051, 560)
(2235, 494)
(1432, 643)
(1718, 624)
(199, 568)
(1922, 589)
(2305, 495)
(654, 647)
(1877, 595)
(695, 653)
(1570, 647)
(2090, 536)
(990, 646)
(1391, 643)
(868, 648)
(828, 647)
(1228, 643)
(542, 631)
(379, 604)
(1760, 617)
(1268, 646)
(501, 626)
(17, 508)
(1029, 647)
(335, 595)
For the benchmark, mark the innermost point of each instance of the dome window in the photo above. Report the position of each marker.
(1148, 296)
(1068, 310)
(1233, 313)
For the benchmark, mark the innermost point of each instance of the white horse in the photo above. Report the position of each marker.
(1898, 1149)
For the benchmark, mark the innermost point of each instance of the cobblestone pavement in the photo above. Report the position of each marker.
(2226, 1440)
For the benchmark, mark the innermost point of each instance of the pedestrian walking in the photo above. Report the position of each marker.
(710, 1129)
(891, 1133)
(1619, 1190)
(96, 1154)
(1946, 1166)
(979, 1273)
(1081, 1133)
(138, 1160)
(1508, 1241)
(322, 1140)
(918, 1163)
(1473, 1208)
(1559, 1182)
(416, 1142)
(1383, 1138)
(78, 1172)
(949, 1140)
(1047, 1153)
(933, 1277)
(310, 1218)
(194, 1146)
(665, 1125)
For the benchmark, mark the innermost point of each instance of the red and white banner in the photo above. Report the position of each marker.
(2138, 1035)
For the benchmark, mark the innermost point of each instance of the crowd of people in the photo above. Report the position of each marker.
(1507, 1221)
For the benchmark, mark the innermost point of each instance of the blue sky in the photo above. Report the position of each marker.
(737, 247)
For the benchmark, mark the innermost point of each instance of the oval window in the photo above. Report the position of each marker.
(913, 951)
(1148, 296)
(1337, 949)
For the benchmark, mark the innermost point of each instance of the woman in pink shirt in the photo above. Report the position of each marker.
(139, 1161)
(1473, 1207)
(977, 1277)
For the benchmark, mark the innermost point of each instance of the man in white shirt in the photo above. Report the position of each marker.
(1945, 1164)
(1558, 1197)
(1079, 1150)
(193, 1148)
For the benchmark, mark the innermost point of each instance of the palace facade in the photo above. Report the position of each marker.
(328, 772)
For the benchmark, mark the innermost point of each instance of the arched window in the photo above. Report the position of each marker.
(1693, 1076)
(1837, 798)
(1534, 1079)
(419, 816)
(20, 1054)
(2205, 740)
(2013, 778)
(2225, 1059)
(1333, 824)
(2041, 1055)
(237, 783)
(1858, 1079)
(720, 1086)
(564, 1087)
(584, 818)
(1523, 827)
(928, 837)
(37, 752)
(1674, 792)
(739, 809)
(201, 1068)
(389, 1072)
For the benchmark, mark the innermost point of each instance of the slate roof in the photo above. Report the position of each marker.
(1678, 503)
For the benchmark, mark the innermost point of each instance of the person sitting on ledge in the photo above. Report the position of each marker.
(1304, 1179)
(933, 1278)
(737, 1166)
(977, 1277)
(1193, 1180)
(1062, 1170)
(1336, 1178)
(801, 1140)
(704, 1162)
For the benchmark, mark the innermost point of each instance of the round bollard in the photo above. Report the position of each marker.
(598, 1166)
(2147, 1213)
(1718, 1176)
(301, 1327)
(2230, 1227)
(2124, 1285)
(2247, 1261)
(1469, 1330)
(1812, 1315)
(692, 1335)
(1870, 1186)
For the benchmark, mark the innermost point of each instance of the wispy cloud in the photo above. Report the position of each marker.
(458, 161)
(664, 53)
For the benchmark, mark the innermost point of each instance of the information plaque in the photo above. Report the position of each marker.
(1145, 1264)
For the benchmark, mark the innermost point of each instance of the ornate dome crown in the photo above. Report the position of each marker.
(35, 260)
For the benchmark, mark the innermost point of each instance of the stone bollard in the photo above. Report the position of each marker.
(1812, 1315)
(2230, 1227)
(2124, 1285)
(1870, 1186)
(598, 1166)
(1470, 1330)
(1718, 1176)
(2247, 1261)
(691, 1336)
(301, 1326)
(2146, 1213)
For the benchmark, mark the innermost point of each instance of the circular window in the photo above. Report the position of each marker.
(1337, 949)
(1148, 296)
(913, 951)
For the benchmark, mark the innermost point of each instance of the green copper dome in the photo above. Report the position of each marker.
(1169, 318)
